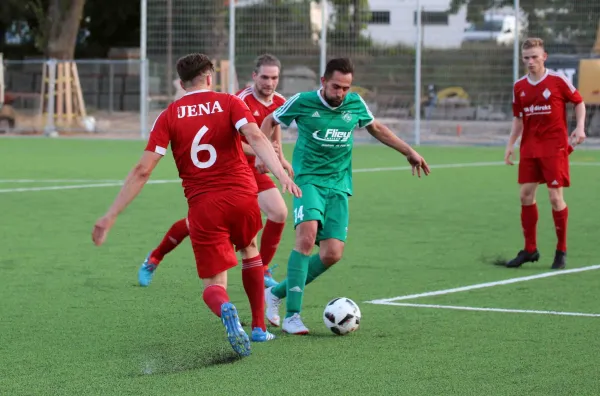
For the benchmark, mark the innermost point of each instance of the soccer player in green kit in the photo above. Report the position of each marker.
(322, 164)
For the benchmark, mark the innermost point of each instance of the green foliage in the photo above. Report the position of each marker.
(570, 21)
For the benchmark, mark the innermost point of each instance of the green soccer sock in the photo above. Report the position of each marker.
(296, 281)
(315, 268)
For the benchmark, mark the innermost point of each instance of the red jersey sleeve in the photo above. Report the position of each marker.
(568, 90)
(516, 103)
(240, 113)
(159, 135)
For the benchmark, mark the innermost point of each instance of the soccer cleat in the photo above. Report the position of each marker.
(560, 260)
(146, 272)
(272, 307)
(523, 257)
(260, 335)
(269, 281)
(294, 325)
(235, 332)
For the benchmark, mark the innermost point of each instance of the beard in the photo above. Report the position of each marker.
(333, 102)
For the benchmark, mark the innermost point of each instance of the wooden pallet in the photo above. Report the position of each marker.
(69, 106)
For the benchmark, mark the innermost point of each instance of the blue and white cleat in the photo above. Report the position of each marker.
(146, 272)
(235, 332)
(260, 335)
(269, 281)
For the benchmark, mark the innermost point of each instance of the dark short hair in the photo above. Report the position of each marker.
(193, 65)
(342, 65)
(266, 60)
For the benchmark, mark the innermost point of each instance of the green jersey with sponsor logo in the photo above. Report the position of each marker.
(323, 151)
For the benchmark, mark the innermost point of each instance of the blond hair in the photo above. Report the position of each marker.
(533, 42)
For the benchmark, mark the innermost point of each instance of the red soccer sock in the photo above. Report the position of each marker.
(269, 241)
(177, 233)
(529, 219)
(253, 280)
(560, 223)
(214, 296)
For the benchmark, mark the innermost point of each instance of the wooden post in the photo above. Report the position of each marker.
(69, 109)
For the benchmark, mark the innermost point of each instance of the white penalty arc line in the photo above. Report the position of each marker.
(115, 183)
(387, 301)
(461, 308)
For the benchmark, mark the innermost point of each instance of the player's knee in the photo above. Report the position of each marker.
(278, 214)
(331, 256)
(527, 196)
(557, 200)
(305, 242)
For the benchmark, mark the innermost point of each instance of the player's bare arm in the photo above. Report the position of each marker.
(387, 137)
(135, 181)
(264, 150)
(578, 135)
(247, 149)
(516, 131)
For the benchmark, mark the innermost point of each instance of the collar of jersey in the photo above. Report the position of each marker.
(538, 81)
(197, 91)
(325, 102)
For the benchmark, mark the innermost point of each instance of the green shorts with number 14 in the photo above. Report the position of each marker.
(327, 206)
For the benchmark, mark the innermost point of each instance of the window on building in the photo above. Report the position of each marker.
(380, 18)
(432, 18)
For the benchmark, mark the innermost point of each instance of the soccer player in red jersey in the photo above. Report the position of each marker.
(262, 99)
(202, 128)
(540, 118)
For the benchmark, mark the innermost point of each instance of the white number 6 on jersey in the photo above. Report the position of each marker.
(197, 147)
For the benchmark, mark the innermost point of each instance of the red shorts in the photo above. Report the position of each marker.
(554, 171)
(263, 181)
(216, 223)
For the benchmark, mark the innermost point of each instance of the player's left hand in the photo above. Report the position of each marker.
(418, 163)
(578, 136)
(287, 184)
(260, 166)
(287, 167)
(101, 228)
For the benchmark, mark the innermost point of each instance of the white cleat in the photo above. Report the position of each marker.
(294, 325)
(272, 309)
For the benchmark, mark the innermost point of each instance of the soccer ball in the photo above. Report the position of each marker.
(341, 315)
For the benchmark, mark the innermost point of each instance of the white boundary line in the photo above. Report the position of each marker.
(78, 186)
(484, 285)
(114, 183)
(460, 308)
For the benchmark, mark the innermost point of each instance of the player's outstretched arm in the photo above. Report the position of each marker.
(268, 126)
(134, 183)
(515, 132)
(264, 150)
(387, 137)
(578, 135)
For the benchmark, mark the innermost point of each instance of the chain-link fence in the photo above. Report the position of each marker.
(459, 58)
(73, 97)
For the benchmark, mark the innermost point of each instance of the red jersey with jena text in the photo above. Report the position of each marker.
(542, 106)
(202, 128)
(259, 109)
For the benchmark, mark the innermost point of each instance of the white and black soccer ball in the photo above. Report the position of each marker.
(342, 316)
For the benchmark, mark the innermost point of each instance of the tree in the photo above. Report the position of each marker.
(351, 17)
(557, 21)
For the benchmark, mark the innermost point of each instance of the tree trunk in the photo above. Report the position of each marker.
(64, 17)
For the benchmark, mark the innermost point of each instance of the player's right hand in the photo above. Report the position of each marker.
(101, 228)
(287, 184)
(509, 155)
